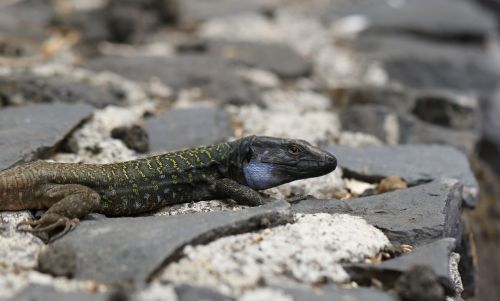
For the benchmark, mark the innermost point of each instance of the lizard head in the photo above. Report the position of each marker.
(269, 162)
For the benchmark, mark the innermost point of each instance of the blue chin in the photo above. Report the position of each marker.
(260, 175)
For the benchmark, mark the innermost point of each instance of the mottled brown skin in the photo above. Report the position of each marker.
(228, 170)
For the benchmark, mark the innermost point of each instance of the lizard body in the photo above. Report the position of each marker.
(227, 170)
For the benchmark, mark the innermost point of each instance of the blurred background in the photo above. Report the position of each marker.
(358, 72)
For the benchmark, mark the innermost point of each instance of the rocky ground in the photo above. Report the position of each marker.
(403, 92)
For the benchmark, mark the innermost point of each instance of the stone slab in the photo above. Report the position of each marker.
(31, 132)
(185, 128)
(415, 216)
(129, 250)
(414, 163)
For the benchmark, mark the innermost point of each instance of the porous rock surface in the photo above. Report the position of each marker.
(391, 88)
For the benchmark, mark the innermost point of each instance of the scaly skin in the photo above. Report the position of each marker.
(228, 170)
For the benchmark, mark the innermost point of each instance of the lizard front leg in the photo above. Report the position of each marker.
(241, 194)
(67, 203)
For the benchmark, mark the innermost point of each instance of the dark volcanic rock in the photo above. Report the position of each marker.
(124, 21)
(22, 89)
(440, 116)
(331, 292)
(370, 119)
(414, 131)
(184, 128)
(277, 58)
(26, 20)
(435, 255)
(395, 97)
(190, 293)
(128, 250)
(447, 109)
(414, 163)
(134, 137)
(415, 216)
(489, 146)
(461, 21)
(47, 293)
(215, 77)
(425, 64)
(33, 131)
(419, 284)
(196, 11)
(57, 261)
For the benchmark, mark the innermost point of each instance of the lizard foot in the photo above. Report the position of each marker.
(46, 224)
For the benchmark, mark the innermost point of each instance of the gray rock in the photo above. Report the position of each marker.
(426, 64)
(212, 75)
(134, 137)
(332, 292)
(26, 20)
(47, 293)
(187, 292)
(277, 58)
(435, 255)
(57, 261)
(448, 109)
(414, 131)
(461, 130)
(420, 283)
(414, 163)
(196, 11)
(22, 89)
(369, 119)
(34, 131)
(129, 250)
(461, 21)
(185, 128)
(489, 146)
(415, 216)
(398, 98)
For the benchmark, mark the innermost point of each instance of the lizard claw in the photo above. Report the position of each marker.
(43, 226)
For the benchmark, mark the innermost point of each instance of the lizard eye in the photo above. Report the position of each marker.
(294, 150)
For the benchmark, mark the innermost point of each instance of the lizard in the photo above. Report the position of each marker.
(235, 170)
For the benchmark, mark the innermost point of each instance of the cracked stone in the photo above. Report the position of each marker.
(414, 216)
(107, 250)
(184, 128)
(277, 58)
(215, 77)
(34, 131)
(47, 293)
(435, 255)
(414, 163)
(22, 89)
(422, 18)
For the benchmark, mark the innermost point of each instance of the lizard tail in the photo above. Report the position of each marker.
(14, 188)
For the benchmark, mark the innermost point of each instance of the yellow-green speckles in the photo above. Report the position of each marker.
(188, 163)
(148, 164)
(154, 185)
(209, 155)
(135, 189)
(159, 165)
(174, 163)
(124, 170)
(137, 168)
(196, 157)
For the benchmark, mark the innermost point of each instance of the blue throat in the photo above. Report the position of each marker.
(260, 175)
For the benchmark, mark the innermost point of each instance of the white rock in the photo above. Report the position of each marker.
(265, 294)
(317, 127)
(308, 251)
(202, 206)
(157, 292)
